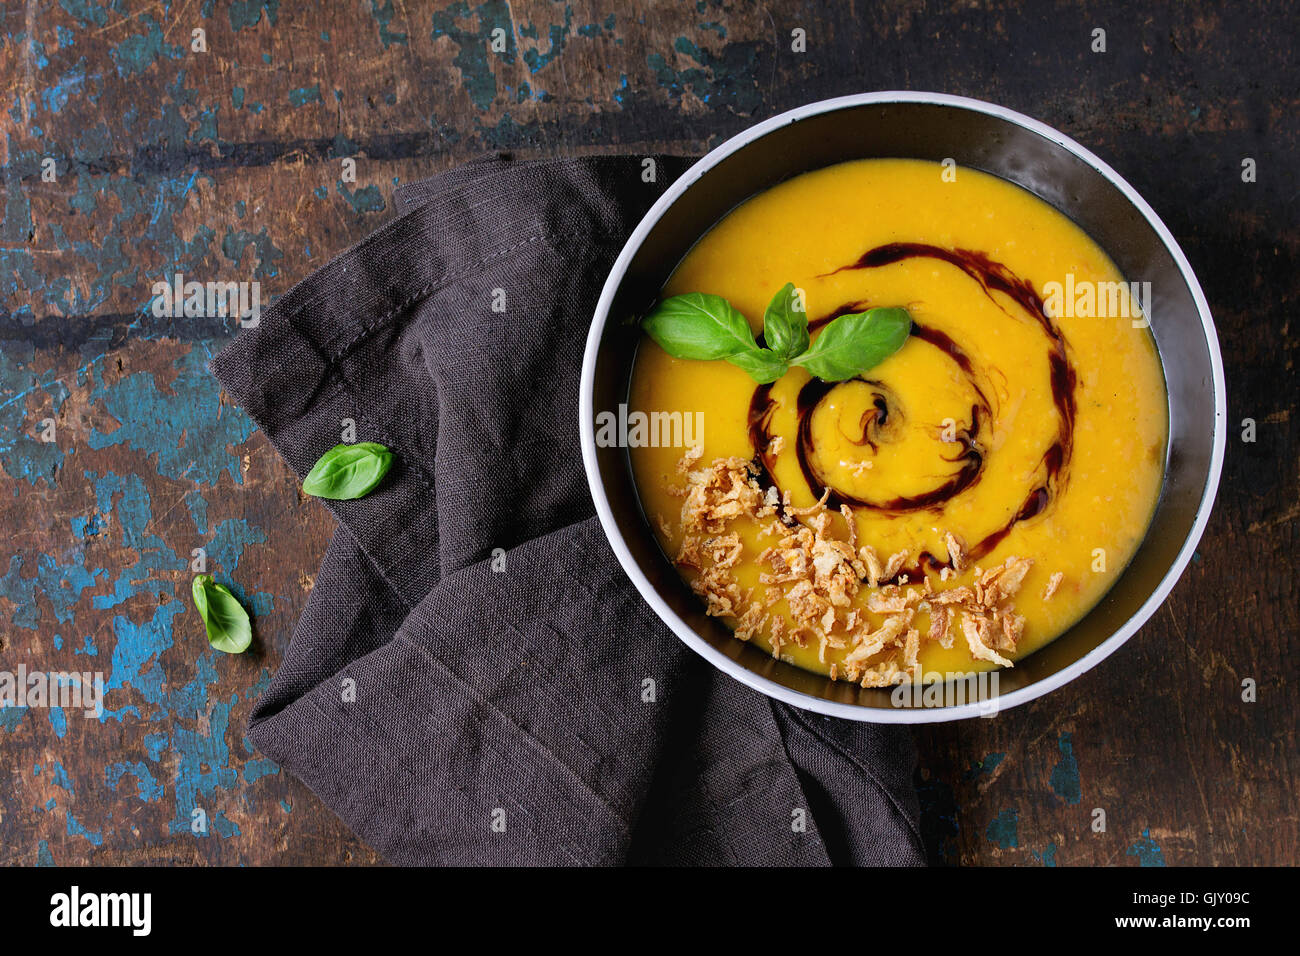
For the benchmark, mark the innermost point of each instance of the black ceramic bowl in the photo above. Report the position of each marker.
(977, 135)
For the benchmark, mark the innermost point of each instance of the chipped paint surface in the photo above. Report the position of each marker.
(1065, 775)
(1004, 830)
(1147, 851)
(119, 458)
(130, 157)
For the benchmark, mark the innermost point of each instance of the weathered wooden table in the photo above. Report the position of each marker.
(136, 147)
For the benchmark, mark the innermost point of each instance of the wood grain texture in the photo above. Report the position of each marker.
(228, 165)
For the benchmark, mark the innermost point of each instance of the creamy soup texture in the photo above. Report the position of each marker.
(1007, 427)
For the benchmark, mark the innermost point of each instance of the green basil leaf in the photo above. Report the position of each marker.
(785, 328)
(699, 326)
(348, 471)
(227, 623)
(854, 343)
(763, 365)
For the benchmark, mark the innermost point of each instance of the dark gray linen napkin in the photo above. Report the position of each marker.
(465, 684)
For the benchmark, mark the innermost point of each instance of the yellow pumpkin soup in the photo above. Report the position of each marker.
(954, 506)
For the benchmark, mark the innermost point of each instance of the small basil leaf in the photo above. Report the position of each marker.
(763, 365)
(854, 343)
(699, 326)
(348, 471)
(227, 623)
(785, 328)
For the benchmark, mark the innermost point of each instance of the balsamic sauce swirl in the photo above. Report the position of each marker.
(969, 460)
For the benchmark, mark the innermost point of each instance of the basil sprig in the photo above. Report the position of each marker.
(348, 471)
(785, 323)
(700, 327)
(705, 327)
(854, 343)
(227, 623)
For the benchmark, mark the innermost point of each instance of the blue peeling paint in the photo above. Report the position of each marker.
(1048, 856)
(149, 575)
(58, 583)
(183, 424)
(154, 745)
(1065, 775)
(383, 14)
(256, 690)
(304, 95)
(474, 56)
(197, 505)
(983, 767)
(136, 653)
(1147, 851)
(266, 252)
(204, 759)
(365, 199)
(96, 837)
(257, 769)
(557, 35)
(71, 85)
(148, 789)
(138, 52)
(1004, 830)
(24, 452)
(86, 12)
(246, 13)
(87, 527)
(728, 77)
(225, 550)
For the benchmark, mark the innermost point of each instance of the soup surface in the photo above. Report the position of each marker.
(953, 508)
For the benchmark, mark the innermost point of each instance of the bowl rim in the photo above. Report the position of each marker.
(901, 715)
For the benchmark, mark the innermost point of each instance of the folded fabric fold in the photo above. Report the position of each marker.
(474, 680)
